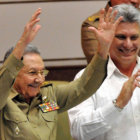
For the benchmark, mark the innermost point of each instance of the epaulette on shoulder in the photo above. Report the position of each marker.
(46, 84)
(93, 18)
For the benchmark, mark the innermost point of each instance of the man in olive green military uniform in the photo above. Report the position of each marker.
(28, 110)
(88, 39)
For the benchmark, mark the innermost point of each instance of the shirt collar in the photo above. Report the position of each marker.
(138, 60)
(14, 94)
(111, 67)
(137, 65)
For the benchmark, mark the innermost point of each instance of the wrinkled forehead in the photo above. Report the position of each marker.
(128, 28)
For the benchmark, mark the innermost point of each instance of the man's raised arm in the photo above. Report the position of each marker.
(12, 65)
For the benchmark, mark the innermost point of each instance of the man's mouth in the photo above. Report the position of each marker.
(34, 85)
(127, 52)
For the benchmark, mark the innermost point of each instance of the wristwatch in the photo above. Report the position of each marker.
(118, 108)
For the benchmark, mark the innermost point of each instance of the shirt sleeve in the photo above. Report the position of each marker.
(88, 122)
(8, 72)
(88, 39)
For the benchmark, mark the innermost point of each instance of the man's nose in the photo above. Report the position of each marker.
(40, 78)
(128, 43)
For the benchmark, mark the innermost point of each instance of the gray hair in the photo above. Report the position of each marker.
(128, 12)
(29, 49)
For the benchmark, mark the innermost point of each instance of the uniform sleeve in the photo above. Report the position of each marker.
(77, 91)
(88, 122)
(8, 72)
(88, 39)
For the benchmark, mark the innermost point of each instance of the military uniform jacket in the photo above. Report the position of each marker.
(88, 39)
(36, 121)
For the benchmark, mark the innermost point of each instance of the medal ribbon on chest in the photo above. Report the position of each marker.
(49, 106)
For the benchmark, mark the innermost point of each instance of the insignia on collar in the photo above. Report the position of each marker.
(49, 106)
(17, 130)
(93, 18)
(44, 99)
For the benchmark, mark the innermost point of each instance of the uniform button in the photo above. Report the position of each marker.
(16, 118)
(44, 98)
(17, 68)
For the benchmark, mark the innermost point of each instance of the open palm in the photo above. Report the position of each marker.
(106, 29)
(31, 28)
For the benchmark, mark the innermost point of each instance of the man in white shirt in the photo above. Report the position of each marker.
(113, 112)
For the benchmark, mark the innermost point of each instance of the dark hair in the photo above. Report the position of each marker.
(29, 49)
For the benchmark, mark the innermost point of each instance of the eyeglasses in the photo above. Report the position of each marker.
(34, 73)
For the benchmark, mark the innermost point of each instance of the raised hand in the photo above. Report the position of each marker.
(31, 28)
(127, 90)
(30, 31)
(106, 30)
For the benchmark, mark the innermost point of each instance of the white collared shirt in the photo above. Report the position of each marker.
(98, 119)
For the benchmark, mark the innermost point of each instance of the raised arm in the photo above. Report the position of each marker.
(30, 31)
(12, 65)
(95, 72)
(83, 126)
